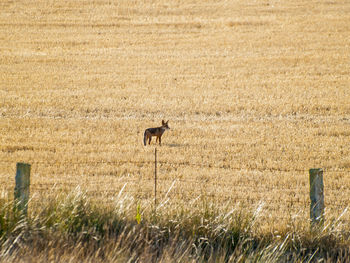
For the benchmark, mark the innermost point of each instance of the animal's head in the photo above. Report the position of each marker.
(165, 125)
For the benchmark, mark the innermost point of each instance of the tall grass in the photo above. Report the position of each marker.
(74, 228)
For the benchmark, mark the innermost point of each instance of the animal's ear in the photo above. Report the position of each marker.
(167, 122)
(163, 122)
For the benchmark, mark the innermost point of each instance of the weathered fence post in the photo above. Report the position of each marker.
(317, 197)
(22, 187)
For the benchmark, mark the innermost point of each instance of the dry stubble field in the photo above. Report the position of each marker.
(256, 93)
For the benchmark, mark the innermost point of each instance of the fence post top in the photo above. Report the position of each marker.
(22, 164)
(316, 170)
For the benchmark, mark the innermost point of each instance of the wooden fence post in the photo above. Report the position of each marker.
(22, 187)
(317, 197)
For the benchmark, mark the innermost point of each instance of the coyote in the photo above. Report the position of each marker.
(155, 132)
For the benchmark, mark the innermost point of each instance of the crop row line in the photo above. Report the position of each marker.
(167, 163)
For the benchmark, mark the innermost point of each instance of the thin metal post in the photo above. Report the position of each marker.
(155, 178)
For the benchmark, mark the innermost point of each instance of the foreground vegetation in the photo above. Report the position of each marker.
(71, 227)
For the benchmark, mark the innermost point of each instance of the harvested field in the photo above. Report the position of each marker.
(256, 94)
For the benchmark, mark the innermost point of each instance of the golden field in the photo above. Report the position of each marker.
(256, 94)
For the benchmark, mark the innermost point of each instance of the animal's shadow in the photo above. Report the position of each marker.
(177, 145)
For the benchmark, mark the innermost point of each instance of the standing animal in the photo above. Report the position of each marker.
(155, 132)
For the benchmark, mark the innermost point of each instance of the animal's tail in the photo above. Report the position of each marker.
(144, 138)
